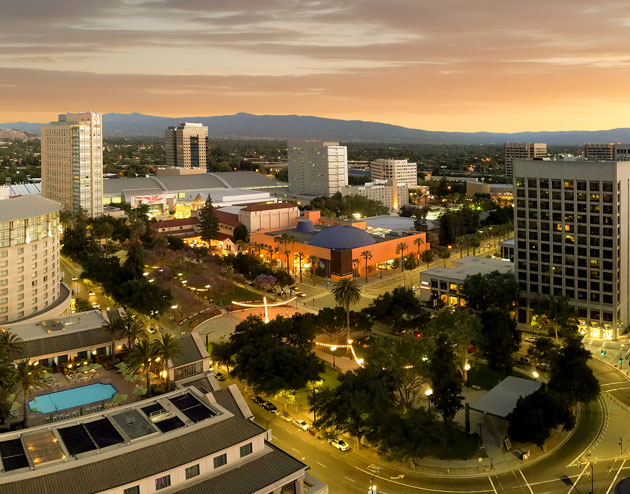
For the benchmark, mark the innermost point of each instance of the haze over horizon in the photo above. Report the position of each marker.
(452, 66)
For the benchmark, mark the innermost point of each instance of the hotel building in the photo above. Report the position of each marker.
(572, 234)
(607, 152)
(401, 171)
(72, 162)
(521, 150)
(30, 284)
(186, 145)
(317, 168)
(388, 194)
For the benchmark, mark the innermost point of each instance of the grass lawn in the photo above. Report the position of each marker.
(239, 294)
(329, 376)
(460, 446)
(481, 375)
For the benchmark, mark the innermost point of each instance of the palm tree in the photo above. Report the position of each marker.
(299, 256)
(115, 327)
(314, 262)
(278, 240)
(133, 328)
(444, 254)
(167, 347)
(347, 293)
(367, 255)
(419, 242)
(427, 256)
(401, 248)
(7, 387)
(142, 357)
(10, 345)
(28, 376)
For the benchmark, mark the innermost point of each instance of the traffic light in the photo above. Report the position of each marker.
(372, 489)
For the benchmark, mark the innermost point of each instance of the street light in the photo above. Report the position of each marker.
(332, 349)
(536, 375)
(428, 394)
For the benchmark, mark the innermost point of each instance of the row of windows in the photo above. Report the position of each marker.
(593, 274)
(594, 231)
(191, 472)
(582, 296)
(568, 250)
(568, 282)
(558, 184)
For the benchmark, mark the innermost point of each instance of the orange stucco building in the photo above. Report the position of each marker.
(337, 244)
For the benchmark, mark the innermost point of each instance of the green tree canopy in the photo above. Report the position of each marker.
(570, 375)
(208, 221)
(492, 291)
(499, 340)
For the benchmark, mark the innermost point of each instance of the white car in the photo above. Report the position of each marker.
(285, 416)
(340, 444)
(151, 330)
(530, 339)
(301, 424)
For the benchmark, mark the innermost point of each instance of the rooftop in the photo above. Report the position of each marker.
(26, 207)
(268, 207)
(193, 220)
(501, 400)
(469, 266)
(227, 218)
(188, 351)
(81, 321)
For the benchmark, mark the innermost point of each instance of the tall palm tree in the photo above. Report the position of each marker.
(7, 387)
(167, 347)
(419, 242)
(367, 255)
(142, 358)
(299, 256)
(116, 328)
(10, 345)
(444, 254)
(279, 241)
(28, 376)
(400, 249)
(347, 293)
(314, 262)
(132, 330)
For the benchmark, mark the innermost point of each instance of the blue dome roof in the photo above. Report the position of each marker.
(342, 237)
(305, 226)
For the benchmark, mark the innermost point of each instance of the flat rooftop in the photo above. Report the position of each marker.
(468, 266)
(81, 321)
(306, 237)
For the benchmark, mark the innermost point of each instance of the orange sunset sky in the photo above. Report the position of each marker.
(456, 65)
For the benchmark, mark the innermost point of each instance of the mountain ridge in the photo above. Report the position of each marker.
(247, 125)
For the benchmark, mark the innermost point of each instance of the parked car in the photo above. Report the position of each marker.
(301, 424)
(151, 330)
(96, 306)
(219, 376)
(285, 416)
(270, 407)
(530, 339)
(340, 444)
(523, 360)
(258, 400)
(91, 293)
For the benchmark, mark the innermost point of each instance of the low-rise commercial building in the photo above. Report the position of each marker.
(268, 216)
(381, 191)
(445, 285)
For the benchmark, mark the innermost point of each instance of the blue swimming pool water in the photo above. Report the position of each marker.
(71, 398)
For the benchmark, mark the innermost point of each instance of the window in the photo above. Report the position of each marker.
(288, 489)
(192, 472)
(162, 482)
(246, 449)
(220, 460)
(132, 490)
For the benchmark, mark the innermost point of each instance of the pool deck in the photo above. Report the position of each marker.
(62, 383)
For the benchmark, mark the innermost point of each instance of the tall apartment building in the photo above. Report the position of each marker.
(607, 152)
(186, 145)
(572, 232)
(317, 168)
(72, 162)
(401, 171)
(383, 192)
(521, 150)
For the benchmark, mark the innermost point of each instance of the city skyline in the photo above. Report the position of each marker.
(453, 66)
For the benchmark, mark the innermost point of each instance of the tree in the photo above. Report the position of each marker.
(10, 346)
(167, 347)
(134, 264)
(331, 322)
(283, 279)
(570, 375)
(132, 328)
(400, 309)
(542, 352)
(222, 353)
(557, 317)
(492, 291)
(208, 221)
(536, 415)
(418, 242)
(116, 328)
(276, 356)
(27, 377)
(444, 253)
(366, 255)
(240, 233)
(427, 256)
(299, 256)
(410, 262)
(142, 358)
(499, 340)
(401, 247)
(347, 293)
(445, 380)
(264, 281)
(314, 262)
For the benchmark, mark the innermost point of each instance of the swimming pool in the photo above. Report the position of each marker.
(71, 398)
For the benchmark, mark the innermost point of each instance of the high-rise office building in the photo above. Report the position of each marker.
(572, 232)
(72, 162)
(521, 150)
(186, 145)
(401, 171)
(607, 151)
(317, 168)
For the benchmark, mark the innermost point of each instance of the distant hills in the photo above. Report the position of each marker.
(246, 125)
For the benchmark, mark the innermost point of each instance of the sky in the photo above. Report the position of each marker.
(453, 65)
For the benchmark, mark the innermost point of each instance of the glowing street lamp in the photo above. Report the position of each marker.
(429, 393)
(333, 349)
(536, 375)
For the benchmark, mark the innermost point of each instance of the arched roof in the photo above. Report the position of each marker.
(342, 237)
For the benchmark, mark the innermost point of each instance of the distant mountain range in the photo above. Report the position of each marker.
(246, 125)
